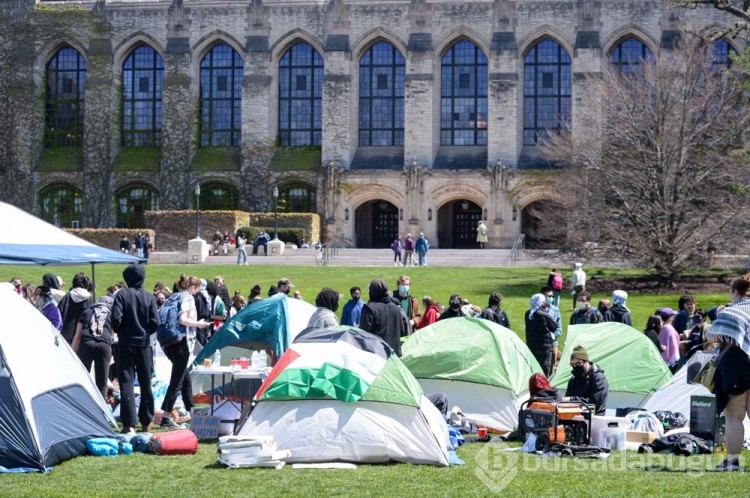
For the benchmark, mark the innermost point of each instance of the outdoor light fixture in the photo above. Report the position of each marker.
(346, 214)
(429, 214)
(197, 211)
(275, 212)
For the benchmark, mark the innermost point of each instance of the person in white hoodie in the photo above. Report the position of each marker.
(52, 282)
(74, 303)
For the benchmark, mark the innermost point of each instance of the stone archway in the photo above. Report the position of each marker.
(457, 224)
(376, 224)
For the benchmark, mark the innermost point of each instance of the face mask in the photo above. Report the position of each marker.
(548, 301)
(455, 305)
(355, 299)
(579, 370)
(403, 289)
(287, 291)
(581, 305)
(159, 302)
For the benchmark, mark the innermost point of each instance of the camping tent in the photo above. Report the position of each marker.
(482, 367)
(674, 396)
(28, 240)
(49, 405)
(271, 323)
(341, 394)
(632, 365)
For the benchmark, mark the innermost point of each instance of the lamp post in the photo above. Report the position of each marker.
(197, 211)
(275, 212)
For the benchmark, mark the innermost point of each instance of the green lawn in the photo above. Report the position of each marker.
(486, 468)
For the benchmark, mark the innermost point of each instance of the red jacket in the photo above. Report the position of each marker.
(430, 316)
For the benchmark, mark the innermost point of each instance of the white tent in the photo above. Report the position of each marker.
(49, 405)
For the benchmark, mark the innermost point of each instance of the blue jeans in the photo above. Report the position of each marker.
(242, 253)
(422, 258)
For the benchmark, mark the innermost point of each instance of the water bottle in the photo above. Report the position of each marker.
(217, 358)
(263, 360)
(254, 360)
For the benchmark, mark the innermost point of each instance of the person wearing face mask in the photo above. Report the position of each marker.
(409, 304)
(160, 297)
(454, 308)
(352, 311)
(284, 286)
(584, 312)
(493, 312)
(540, 330)
(588, 383)
(554, 312)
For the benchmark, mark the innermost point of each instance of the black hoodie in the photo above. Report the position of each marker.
(134, 313)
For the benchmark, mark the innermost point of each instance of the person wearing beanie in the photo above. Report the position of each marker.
(619, 312)
(381, 317)
(588, 383)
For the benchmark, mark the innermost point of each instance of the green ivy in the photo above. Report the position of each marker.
(306, 158)
(216, 159)
(60, 159)
(138, 159)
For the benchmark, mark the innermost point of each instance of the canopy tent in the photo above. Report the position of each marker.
(49, 404)
(633, 367)
(481, 366)
(28, 240)
(270, 323)
(340, 394)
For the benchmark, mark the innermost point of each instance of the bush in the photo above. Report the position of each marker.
(293, 235)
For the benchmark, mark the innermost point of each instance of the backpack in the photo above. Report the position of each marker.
(557, 282)
(98, 319)
(170, 330)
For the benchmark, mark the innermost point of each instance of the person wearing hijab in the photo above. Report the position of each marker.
(51, 281)
(383, 318)
(540, 332)
(46, 304)
(327, 302)
(619, 312)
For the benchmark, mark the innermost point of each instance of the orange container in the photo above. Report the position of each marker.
(557, 434)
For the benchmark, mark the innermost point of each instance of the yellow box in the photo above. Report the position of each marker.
(640, 437)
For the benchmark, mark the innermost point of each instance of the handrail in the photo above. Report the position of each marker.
(519, 243)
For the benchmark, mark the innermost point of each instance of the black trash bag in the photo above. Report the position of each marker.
(671, 420)
(678, 444)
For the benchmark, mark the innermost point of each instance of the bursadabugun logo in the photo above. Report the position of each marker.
(496, 465)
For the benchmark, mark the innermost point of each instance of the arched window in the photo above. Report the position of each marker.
(216, 196)
(382, 76)
(221, 97)
(463, 103)
(720, 58)
(297, 199)
(61, 206)
(142, 78)
(66, 77)
(546, 85)
(629, 54)
(300, 96)
(132, 202)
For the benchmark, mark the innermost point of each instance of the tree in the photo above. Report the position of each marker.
(660, 174)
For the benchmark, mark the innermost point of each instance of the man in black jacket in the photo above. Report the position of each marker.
(540, 332)
(588, 383)
(620, 312)
(134, 318)
(380, 316)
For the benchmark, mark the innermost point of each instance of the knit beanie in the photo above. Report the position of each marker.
(579, 353)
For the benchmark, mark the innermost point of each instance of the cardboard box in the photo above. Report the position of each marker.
(204, 425)
(640, 437)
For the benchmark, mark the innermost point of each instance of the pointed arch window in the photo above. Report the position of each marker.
(221, 75)
(60, 205)
(65, 80)
(547, 88)
(463, 92)
(300, 96)
(382, 79)
(142, 79)
(629, 54)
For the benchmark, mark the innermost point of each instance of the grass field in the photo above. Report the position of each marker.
(487, 469)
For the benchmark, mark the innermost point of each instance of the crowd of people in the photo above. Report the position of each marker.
(121, 323)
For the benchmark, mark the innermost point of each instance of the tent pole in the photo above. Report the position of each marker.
(93, 279)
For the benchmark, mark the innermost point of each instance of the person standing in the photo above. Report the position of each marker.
(482, 234)
(179, 352)
(454, 308)
(554, 312)
(241, 250)
(555, 282)
(431, 312)
(396, 247)
(619, 311)
(225, 241)
(578, 282)
(383, 318)
(45, 302)
(408, 250)
(138, 242)
(134, 319)
(493, 312)
(327, 303)
(670, 339)
(408, 303)
(74, 303)
(731, 330)
(352, 311)
(422, 246)
(93, 341)
(540, 329)
(584, 312)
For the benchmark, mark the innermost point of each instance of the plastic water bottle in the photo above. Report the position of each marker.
(217, 358)
(263, 359)
(254, 360)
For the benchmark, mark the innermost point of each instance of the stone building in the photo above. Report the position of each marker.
(384, 116)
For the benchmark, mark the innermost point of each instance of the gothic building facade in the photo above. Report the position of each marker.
(383, 116)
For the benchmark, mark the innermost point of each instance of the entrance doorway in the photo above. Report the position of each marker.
(376, 224)
(457, 224)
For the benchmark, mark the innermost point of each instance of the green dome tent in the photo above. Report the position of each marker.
(482, 367)
(632, 365)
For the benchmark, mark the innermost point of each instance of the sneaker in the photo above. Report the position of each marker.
(728, 466)
(168, 423)
(130, 431)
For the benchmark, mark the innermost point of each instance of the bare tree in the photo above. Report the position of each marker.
(658, 176)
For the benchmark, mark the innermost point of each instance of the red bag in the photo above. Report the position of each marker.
(179, 442)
